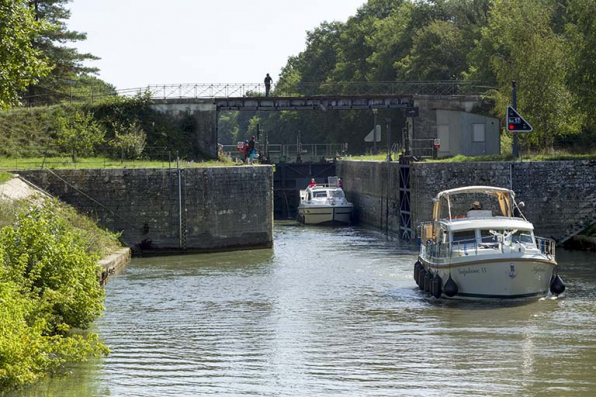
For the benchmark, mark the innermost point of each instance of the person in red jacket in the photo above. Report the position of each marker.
(312, 183)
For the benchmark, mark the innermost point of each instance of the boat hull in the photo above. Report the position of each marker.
(504, 278)
(320, 215)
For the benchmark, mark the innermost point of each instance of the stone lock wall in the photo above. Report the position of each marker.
(193, 209)
(559, 195)
(373, 188)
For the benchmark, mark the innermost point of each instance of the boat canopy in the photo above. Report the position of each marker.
(504, 196)
(491, 223)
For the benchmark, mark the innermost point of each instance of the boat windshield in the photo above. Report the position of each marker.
(464, 235)
(338, 194)
(322, 194)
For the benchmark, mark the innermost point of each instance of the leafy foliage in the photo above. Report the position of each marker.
(107, 127)
(5, 177)
(68, 69)
(78, 134)
(547, 46)
(21, 63)
(129, 140)
(48, 287)
(525, 47)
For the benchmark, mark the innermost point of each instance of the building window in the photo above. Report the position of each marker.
(479, 133)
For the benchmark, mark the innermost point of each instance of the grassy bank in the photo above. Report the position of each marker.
(100, 162)
(556, 156)
(49, 289)
(118, 126)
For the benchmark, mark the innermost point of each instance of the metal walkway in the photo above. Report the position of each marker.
(235, 90)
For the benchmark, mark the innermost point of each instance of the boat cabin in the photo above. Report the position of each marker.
(321, 194)
(456, 232)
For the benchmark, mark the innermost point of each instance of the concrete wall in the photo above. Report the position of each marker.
(459, 127)
(559, 195)
(200, 115)
(194, 209)
(455, 112)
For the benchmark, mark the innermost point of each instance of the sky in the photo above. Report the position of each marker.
(143, 42)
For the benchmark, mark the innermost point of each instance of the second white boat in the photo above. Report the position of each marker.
(324, 204)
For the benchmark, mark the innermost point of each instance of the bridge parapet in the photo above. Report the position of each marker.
(393, 88)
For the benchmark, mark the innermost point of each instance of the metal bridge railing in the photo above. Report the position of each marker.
(289, 153)
(443, 88)
(236, 90)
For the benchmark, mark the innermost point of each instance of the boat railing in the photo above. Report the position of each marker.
(471, 247)
(326, 185)
(546, 245)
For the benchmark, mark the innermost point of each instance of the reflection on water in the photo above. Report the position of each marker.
(330, 312)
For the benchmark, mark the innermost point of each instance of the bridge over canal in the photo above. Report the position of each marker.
(204, 102)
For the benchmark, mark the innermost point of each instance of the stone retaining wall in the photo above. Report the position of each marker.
(559, 195)
(193, 209)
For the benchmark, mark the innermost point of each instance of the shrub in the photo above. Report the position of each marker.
(48, 287)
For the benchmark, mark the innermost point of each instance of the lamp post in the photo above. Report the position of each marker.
(375, 131)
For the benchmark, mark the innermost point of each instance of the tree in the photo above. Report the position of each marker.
(519, 43)
(438, 53)
(391, 42)
(582, 40)
(68, 68)
(20, 63)
(79, 134)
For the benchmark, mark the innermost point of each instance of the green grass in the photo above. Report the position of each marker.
(557, 156)
(98, 162)
(5, 177)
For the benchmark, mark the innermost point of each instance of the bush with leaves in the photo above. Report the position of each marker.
(79, 134)
(129, 141)
(48, 288)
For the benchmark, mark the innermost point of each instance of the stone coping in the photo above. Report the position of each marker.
(113, 262)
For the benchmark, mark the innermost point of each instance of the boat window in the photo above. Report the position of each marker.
(487, 237)
(322, 194)
(523, 236)
(337, 194)
(464, 235)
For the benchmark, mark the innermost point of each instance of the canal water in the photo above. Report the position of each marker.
(330, 312)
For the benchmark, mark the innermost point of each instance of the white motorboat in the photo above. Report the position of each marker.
(484, 252)
(324, 204)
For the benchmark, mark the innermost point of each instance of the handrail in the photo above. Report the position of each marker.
(471, 246)
(457, 88)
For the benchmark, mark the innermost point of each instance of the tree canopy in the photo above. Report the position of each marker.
(69, 71)
(21, 64)
(547, 46)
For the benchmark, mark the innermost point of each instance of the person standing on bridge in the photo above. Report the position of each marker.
(268, 81)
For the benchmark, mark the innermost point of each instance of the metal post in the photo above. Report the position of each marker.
(180, 208)
(388, 121)
(408, 136)
(374, 131)
(514, 106)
